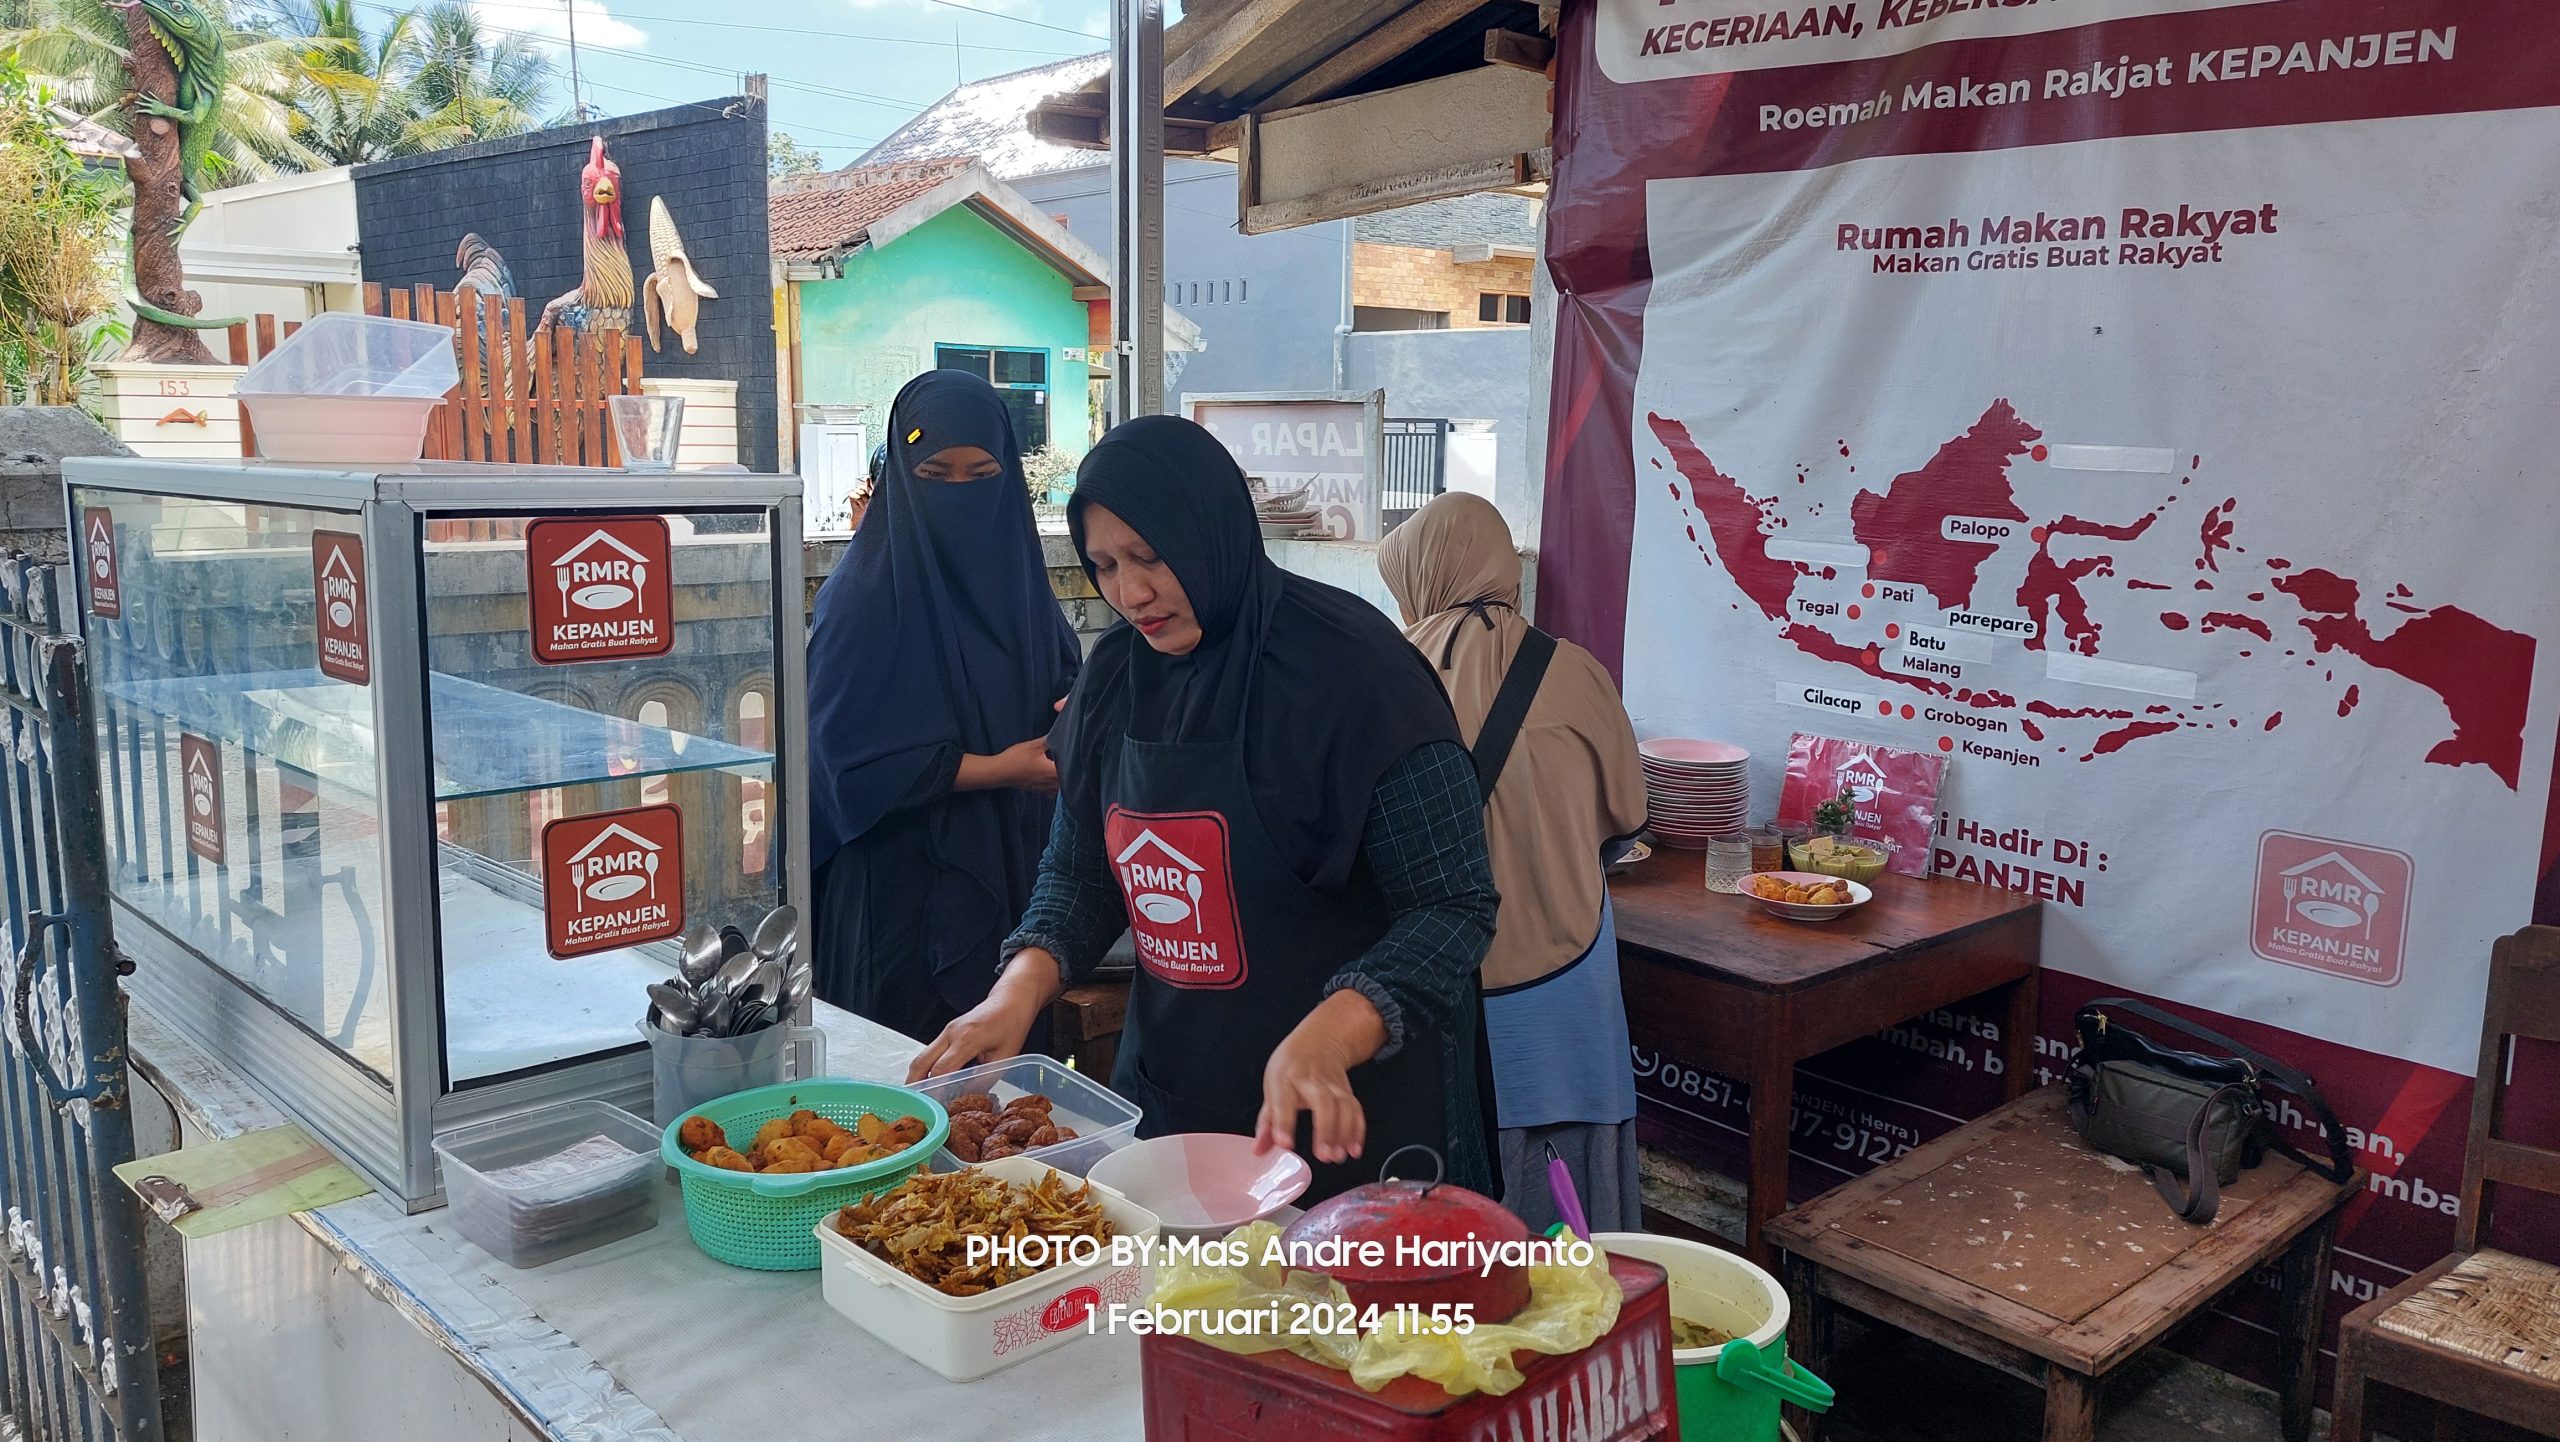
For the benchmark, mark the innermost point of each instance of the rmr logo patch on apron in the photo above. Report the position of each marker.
(1175, 879)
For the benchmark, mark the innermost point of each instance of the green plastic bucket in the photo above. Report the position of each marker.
(1729, 1393)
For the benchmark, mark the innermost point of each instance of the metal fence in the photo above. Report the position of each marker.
(1414, 465)
(75, 1335)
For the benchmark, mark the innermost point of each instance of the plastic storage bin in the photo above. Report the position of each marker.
(351, 388)
(1103, 1122)
(965, 1338)
(544, 1185)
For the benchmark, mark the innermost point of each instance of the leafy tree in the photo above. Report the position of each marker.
(790, 157)
(76, 49)
(472, 84)
(57, 239)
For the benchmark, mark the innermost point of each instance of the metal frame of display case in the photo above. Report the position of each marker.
(388, 1135)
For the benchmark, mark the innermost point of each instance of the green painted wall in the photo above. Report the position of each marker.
(954, 280)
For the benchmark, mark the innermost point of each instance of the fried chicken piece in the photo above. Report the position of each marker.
(779, 1129)
(968, 1133)
(1019, 1127)
(1045, 1137)
(700, 1134)
(973, 1102)
(1028, 1102)
(726, 1160)
(999, 1147)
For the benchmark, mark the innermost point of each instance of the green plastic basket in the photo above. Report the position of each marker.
(768, 1223)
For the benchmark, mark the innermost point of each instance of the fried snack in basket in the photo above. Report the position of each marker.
(922, 1226)
(801, 1142)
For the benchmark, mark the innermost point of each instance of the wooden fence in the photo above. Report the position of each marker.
(522, 400)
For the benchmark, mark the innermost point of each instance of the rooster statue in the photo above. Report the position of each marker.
(674, 292)
(602, 300)
(484, 274)
(483, 269)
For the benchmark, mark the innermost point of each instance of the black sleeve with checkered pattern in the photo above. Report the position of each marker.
(1424, 848)
(1076, 912)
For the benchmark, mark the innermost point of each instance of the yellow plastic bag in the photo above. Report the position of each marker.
(1259, 1304)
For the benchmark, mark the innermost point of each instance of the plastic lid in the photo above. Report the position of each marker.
(341, 354)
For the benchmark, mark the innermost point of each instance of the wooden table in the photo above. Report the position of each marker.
(1716, 980)
(2012, 1242)
(1085, 1023)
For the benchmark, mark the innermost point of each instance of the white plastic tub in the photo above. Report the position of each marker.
(1103, 1122)
(965, 1338)
(351, 388)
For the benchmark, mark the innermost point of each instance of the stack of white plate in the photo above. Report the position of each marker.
(1696, 789)
(1282, 514)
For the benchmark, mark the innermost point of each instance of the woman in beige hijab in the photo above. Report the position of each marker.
(1566, 788)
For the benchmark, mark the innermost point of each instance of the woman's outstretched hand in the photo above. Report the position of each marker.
(1310, 1072)
(994, 1029)
(1023, 766)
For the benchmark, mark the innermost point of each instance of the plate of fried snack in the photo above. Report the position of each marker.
(1032, 1106)
(801, 1142)
(1806, 895)
(901, 1263)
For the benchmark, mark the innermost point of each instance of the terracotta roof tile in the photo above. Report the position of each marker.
(812, 221)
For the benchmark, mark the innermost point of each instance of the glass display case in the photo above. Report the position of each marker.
(414, 776)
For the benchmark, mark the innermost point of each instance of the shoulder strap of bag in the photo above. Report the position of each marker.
(2200, 1196)
(1510, 708)
(2341, 1164)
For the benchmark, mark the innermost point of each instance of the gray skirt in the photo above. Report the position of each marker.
(1602, 1159)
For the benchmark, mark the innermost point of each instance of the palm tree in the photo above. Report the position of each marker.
(76, 49)
(471, 85)
(352, 106)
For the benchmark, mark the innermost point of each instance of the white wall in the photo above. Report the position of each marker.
(283, 247)
(1465, 375)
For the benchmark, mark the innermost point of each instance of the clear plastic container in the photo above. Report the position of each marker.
(548, 1184)
(1103, 1122)
(350, 388)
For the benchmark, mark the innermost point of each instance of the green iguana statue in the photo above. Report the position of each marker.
(195, 46)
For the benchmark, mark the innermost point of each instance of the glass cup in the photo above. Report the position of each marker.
(1768, 850)
(648, 429)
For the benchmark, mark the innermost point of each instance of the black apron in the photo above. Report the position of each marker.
(1233, 952)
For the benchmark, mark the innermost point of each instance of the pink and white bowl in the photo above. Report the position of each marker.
(1204, 1184)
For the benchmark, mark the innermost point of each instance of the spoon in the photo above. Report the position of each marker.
(732, 941)
(702, 954)
(676, 1007)
(733, 973)
(780, 928)
(796, 984)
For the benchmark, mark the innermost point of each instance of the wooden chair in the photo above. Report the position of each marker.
(2478, 1332)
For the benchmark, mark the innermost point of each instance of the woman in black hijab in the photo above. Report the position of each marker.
(1265, 784)
(936, 661)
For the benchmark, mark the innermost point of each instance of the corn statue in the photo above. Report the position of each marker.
(673, 294)
(173, 49)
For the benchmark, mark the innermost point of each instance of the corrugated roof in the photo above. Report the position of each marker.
(986, 118)
(1490, 219)
(814, 221)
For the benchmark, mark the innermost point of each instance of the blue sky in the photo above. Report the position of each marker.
(845, 72)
